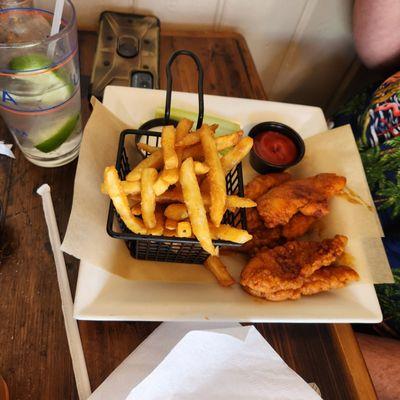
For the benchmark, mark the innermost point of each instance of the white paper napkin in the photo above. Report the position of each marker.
(224, 361)
(142, 361)
(5, 149)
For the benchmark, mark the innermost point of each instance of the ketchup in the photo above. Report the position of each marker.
(275, 148)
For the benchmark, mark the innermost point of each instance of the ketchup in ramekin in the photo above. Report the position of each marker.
(276, 147)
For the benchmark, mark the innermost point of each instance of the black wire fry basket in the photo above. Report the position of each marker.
(163, 248)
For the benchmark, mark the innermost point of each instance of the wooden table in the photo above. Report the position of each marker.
(34, 356)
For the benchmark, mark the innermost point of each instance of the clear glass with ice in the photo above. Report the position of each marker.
(39, 83)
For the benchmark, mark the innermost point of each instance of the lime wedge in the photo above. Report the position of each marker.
(29, 62)
(58, 136)
(46, 88)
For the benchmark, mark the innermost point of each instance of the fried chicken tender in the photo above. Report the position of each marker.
(326, 278)
(308, 196)
(262, 183)
(270, 237)
(254, 221)
(262, 238)
(285, 272)
(298, 226)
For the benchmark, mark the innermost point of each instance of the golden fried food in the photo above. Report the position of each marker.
(168, 147)
(147, 148)
(219, 270)
(148, 202)
(262, 238)
(176, 212)
(184, 229)
(298, 226)
(326, 278)
(308, 196)
(254, 221)
(195, 206)
(113, 187)
(154, 160)
(170, 175)
(263, 183)
(182, 130)
(216, 175)
(237, 154)
(229, 233)
(285, 267)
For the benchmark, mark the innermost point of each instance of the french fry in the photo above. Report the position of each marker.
(229, 233)
(219, 270)
(195, 152)
(195, 206)
(170, 176)
(168, 147)
(171, 224)
(148, 202)
(200, 168)
(189, 140)
(216, 176)
(182, 130)
(136, 209)
(236, 155)
(114, 189)
(147, 148)
(166, 178)
(160, 186)
(177, 212)
(184, 229)
(159, 227)
(222, 143)
(239, 202)
(154, 160)
(214, 127)
(131, 187)
(170, 196)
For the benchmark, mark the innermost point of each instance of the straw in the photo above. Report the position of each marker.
(71, 326)
(55, 25)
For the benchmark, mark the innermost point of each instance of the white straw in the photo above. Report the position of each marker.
(55, 25)
(71, 326)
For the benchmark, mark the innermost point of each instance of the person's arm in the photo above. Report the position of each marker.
(376, 25)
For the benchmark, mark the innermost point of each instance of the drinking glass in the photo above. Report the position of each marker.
(39, 83)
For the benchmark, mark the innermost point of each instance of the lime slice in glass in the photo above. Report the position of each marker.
(58, 134)
(47, 88)
(44, 88)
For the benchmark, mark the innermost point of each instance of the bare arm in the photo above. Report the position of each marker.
(376, 32)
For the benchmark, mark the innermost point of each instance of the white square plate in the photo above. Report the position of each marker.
(104, 296)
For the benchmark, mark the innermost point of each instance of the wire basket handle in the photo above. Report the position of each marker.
(200, 73)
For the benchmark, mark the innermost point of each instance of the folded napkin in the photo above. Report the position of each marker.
(5, 149)
(222, 362)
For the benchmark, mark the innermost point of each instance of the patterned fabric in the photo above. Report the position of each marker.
(374, 115)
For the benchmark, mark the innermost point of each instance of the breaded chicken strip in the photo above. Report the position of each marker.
(326, 278)
(308, 196)
(286, 267)
(263, 237)
(298, 225)
(262, 183)
(270, 237)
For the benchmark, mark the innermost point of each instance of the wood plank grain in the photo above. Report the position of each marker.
(34, 357)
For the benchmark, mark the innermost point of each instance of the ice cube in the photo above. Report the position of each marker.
(22, 26)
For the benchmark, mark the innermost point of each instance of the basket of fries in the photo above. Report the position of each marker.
(182, 199)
